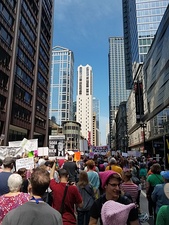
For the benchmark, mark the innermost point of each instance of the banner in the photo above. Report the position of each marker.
(57, 142)
(27, 163)
(43, 151)
(100, 150)
(10, 151)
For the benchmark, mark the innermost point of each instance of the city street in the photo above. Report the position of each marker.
(144, 207)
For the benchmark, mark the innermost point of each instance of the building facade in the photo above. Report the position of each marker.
(151, 138)
(117, 87)
(140, 22)
(61, 92)
(25, 44)
(85, 101)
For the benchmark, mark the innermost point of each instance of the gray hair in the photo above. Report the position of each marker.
(112, 161)
(14, 182)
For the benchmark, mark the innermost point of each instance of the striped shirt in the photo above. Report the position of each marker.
(131, 189)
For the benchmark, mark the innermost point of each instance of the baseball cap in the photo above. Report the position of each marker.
(114, 213)
(104, 176)
(8, 160)
(165, 174)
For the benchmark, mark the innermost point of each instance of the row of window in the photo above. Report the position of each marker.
(42, 80)
(29, 14)
(12, 3)
(153, 4)
(28, 29)
(44, 55)
(27, 44)
(25, 60)
(4, 58)
(5, 36)
(6, 15)
(41, 94)
(21, 113)
(24, 77)
(149, 19)
(43, 67)
(40, 107)
(40, 122)
(23, 95)
(152, 12)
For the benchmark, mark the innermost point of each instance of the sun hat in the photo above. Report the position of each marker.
(165, 174)
(166, 190)
(104, 176)
(113, 213)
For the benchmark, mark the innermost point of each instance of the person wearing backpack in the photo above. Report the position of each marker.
(87, 193)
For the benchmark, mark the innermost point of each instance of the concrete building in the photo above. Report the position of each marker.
(72, 132)
(26, 29)
(85, 101)
(117, 87)
(61, 89)
(140, 22)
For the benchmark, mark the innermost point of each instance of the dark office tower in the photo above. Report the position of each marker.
(25, 49)
(140, 21)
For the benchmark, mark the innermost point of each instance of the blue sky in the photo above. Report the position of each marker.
(84, 26)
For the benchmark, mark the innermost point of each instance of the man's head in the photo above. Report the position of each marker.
(113, 161)
(63, 173)
(8, 162)
(39, 181)
(111, 183)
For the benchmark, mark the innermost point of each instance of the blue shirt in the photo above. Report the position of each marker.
(159, 196)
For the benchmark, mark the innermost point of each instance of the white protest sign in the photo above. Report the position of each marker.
(27, 163)
(10, 151)
(43, 151)
(31, 145)
(125, 154)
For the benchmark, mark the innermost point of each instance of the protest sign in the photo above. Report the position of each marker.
(27, 163)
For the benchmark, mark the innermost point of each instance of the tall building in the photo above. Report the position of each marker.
(85, 101)
(140, 21)
(25, 45)
(117, 87)
(96, 115)
(96, 109)
(61, 94)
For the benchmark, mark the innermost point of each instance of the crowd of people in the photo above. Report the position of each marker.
(104, 190)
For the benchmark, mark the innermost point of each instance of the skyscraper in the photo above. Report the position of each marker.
(117, 88)
(61, 94)
(25, 46)
(85, 101)
(140, 21)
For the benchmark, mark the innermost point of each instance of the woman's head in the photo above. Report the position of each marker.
(156, 168)
(83, 179)
(127, 175)
(14, 182)
(90, 164)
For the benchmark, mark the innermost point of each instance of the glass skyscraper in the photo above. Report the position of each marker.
(141, 19)
(117, 85)
(61, 95)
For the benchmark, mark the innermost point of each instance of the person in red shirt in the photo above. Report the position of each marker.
(72, 196)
